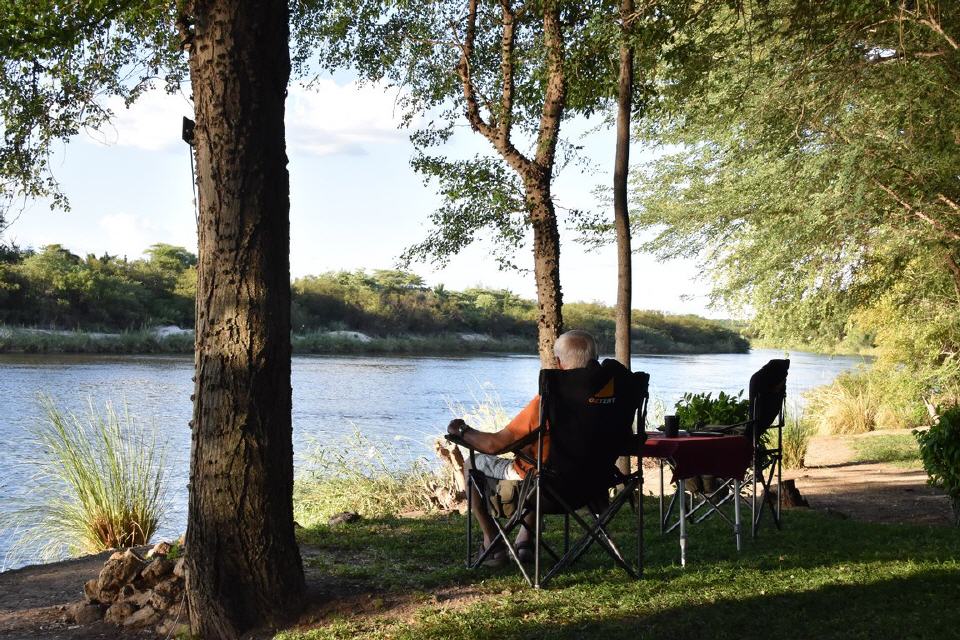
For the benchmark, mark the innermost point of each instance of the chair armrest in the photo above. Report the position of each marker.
(725, 428)
(512, 448)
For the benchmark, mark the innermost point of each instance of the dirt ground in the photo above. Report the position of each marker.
(33, 600)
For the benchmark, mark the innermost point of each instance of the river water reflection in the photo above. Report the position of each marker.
(401, 400)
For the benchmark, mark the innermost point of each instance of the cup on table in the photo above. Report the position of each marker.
(671, 426)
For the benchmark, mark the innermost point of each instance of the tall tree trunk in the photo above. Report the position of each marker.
(244, 568)
(546, 267)
(621, 214)
(621, 169)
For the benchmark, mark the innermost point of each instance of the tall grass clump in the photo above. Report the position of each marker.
(485, 413)
(359, 475)
(99, 484)
(868, 399)
(796, 440)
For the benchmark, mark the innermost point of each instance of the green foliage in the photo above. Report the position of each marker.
(56, 288)
(696, 410)
(940, 452)
(62, 62)
(867, 399)
(100, 483)
(176, 551)
(898, 449)
(810, 161)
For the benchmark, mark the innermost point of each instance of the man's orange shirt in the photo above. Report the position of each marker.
(522, 424)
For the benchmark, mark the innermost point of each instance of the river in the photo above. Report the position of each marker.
(403, 401)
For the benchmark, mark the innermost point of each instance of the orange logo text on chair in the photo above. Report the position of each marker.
(605, 395)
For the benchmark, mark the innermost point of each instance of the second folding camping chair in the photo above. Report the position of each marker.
(586, 422)
(768, 393)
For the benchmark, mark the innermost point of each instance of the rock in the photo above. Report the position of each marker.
(156, 571)
(118, 612)
(350, 335)
(116, 572)
(91, 591)
(85, 613)
(180, 568)
(160, 549)
(166, 594)
(134, 596)
(142, 617)
(169, 330)
(343, 517)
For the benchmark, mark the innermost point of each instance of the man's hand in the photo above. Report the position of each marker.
(456, 427)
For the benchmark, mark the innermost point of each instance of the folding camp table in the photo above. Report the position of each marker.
(721, 456)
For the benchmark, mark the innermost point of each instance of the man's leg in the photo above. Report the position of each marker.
(483, 518)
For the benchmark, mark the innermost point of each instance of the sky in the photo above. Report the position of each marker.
(355, 201)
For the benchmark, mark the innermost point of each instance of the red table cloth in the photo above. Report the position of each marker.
(719, 456)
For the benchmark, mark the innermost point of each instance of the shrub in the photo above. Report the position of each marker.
(695, 410)
(940, 452)
(796, 440)
(99, 483)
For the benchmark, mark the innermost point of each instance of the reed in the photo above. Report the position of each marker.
(796, 441)
(359, 475)
(99, 483)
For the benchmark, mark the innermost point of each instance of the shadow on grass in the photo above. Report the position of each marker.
(918, 605)
(418, 558)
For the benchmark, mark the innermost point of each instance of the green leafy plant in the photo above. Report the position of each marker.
(940, 452)
(99, 484)
(176, 551)
(697, 409)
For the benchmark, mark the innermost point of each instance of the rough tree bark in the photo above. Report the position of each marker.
(621, 213)
(244, 567)
(536, 172)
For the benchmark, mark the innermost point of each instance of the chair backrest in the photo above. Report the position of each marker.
(768, 390)
(590, 414)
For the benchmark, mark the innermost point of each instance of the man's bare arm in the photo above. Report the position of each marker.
(482, 441)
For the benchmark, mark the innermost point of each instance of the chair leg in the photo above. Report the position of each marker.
(470, 490)
(736, 511)
(640, 526)
(683, 523)
(537, 526)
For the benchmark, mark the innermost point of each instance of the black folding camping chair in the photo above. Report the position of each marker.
(588, 415)
(768, 394)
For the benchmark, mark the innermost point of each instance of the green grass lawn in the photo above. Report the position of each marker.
(820, 577)
(900, 449)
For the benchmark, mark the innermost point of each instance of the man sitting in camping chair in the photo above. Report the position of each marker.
(574, 350)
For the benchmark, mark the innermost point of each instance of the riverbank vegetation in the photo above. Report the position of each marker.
(812, 170)
(99, 484)
(103, 304)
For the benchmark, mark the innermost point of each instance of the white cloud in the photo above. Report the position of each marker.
(152, 123)
(325, 119)
(328, 118)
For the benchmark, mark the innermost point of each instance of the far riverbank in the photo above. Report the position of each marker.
(174, 340)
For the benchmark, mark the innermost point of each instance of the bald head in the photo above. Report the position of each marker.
(574, 349)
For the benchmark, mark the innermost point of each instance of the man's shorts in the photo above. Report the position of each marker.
(496, 467)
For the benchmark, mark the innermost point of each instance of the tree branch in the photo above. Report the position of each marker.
(506, 67)
(917, 212)
(556, 93)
